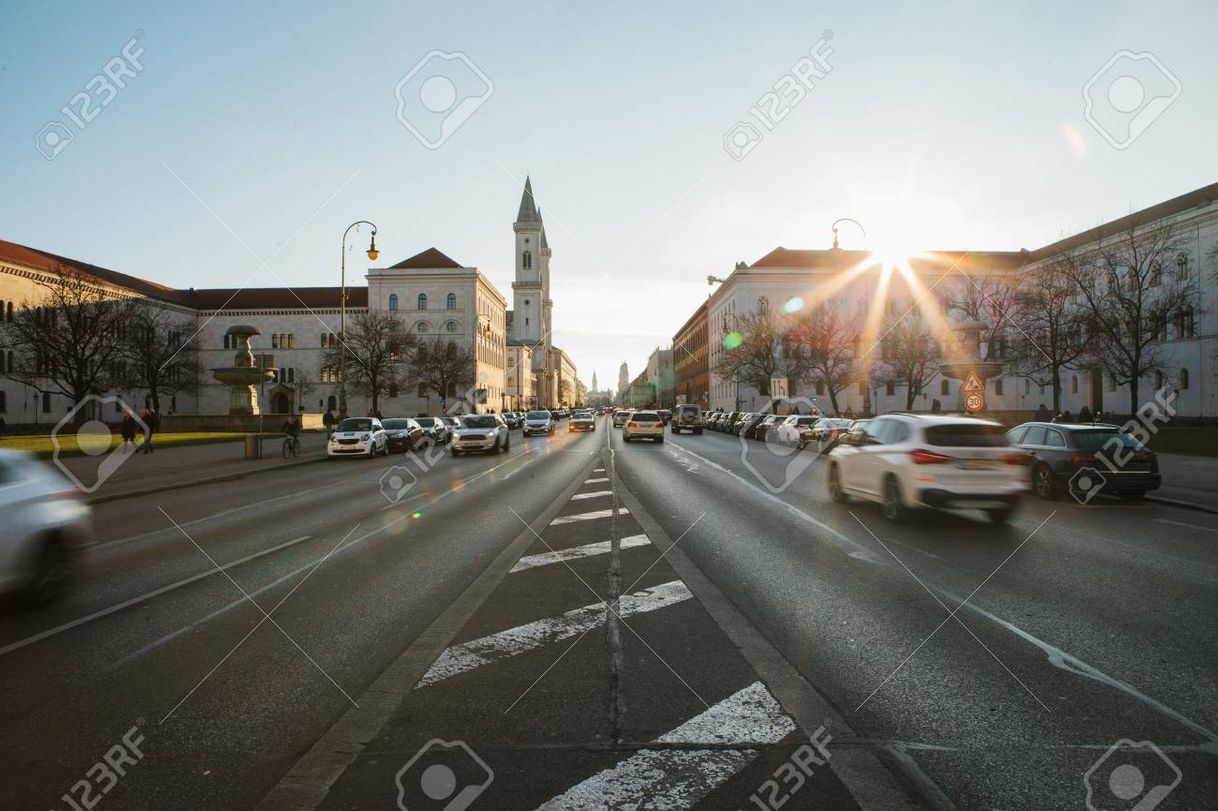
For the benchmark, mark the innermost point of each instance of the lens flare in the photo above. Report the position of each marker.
(416, 515)
(732, 340)
(793, 305)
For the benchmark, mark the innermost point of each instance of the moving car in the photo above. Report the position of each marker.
(538, 422)
(788, 429)
(909, 462)
(687, 417)
(582, 421)
(512, 419)
(665, 415)
(45, 524)
(825, 432)
(481, 432)
(358, 436)
(403, 433)
(619, 417)
(1062, 455)
(439, 430)
(644, 425)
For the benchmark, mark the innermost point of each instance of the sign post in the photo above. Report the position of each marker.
(974, 393)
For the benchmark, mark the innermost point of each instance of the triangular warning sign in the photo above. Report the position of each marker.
(972, 383)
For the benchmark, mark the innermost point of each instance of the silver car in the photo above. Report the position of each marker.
(487, 433)
(538, 422)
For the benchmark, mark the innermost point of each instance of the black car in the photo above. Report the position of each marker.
(1085, 460)
(404, 434)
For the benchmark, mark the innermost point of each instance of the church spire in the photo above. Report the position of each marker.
(528, 206)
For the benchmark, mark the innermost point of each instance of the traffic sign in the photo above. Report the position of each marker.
(974, 402)
(972, 383)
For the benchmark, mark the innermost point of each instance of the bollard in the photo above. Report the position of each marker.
(253, 446)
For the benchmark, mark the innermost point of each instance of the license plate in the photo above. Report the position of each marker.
(977, 464)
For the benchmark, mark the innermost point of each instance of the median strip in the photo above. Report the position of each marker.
(587, 550)
(571, 519)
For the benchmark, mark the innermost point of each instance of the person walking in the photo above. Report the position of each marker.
(328, 421)
(1084, 414)
(151, 423)
(128, 430)
(1042, 414)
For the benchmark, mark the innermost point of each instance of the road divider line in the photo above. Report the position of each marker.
(67, 626)
(592, 516)
(575, 553)
(678, 778)
(579, 496)
(490, 649)
(597, 480)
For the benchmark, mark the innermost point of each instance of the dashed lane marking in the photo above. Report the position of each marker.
(597, 480)
(587, 550)
(679, 777)
(489, 649)
(579, 496)
(592, 516)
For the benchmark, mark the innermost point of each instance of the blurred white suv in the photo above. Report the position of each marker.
(908, 462)
(644, 425)
(45, 523)
(481, 432)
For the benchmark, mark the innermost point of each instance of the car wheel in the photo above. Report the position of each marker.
(53, 574)
(1043, 482)
(1000, 515)
(697, 432)
(892, 506)
(455, 452)
(660, 438)
(507, 446)
(835, 485)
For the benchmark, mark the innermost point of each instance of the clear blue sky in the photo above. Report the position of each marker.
(952, 117)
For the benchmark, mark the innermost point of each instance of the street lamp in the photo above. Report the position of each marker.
(850, 220)
(373, 253)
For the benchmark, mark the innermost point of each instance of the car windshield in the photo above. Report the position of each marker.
(479, 421)
(1092, 441)
(966, 435)
(395, 424)
(537, 415)
(356, 424)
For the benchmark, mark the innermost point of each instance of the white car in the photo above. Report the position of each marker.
(620, 417)
(358, 436)
(581, 421)
(45, 523)
(538, 422)
(481, 432)
(788, 430)
(908, 462)
(644, 425)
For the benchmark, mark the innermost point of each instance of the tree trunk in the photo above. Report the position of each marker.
(1057, 391)
(833, 400)
(1133, 395)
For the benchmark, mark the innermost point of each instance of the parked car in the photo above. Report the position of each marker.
(452, 422)
(582, 421)
(512, 419)
(908, 462)
(403, 433)
(788, 429)
(619, 417)
(487, 433)
(358, 436)
(45, 524)
(1058, 452)
(825, 432)
(712, 419)
(439, 430)
(643, 425)
(665, 415)
(687, 417)
(539, 422)
(755, 427)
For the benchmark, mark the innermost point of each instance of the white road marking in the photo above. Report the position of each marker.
(592, 516)
(587, 550)
(678, 778)
(1186, 524)
(598, 470)
(597, 480)
(489, 649)
(579, 496)
(105, 612)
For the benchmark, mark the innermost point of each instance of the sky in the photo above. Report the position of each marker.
(253, 134)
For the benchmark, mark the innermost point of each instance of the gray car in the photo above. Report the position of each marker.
(538, 422)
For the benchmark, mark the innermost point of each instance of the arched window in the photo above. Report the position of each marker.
(451, 326)
(944, 387)
(422, 389)
(1181, 266)
(1158, 381)
(9, 315)
(291, 340)
(451, 351)
(763, 304)
(422, 301)
(421, 327)
(452, 301)
(333, 339)
(325, 340)
(526, 261)
(421, 352)
(393, 302)
(274, 340)
(1074, 385)
(1183, 379)
(292, 375)
(46, 402)
(998, 386)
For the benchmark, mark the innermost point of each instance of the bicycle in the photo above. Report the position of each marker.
(291, 446)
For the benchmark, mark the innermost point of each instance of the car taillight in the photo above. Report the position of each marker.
(632, 425)
(1015, 459)
(1080, 458)
(921, 457)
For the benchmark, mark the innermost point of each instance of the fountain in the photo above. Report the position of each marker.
(963, 355)
(242, 376)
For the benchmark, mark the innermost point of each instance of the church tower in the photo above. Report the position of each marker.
(528, 293)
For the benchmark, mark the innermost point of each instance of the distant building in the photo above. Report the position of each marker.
(691, 360)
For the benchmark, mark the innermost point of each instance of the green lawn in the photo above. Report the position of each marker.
(1192, 441)
(44, 445)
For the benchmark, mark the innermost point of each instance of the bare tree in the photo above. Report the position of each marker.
(1054, 327)
(828, 339)
(910, 354)
(990, 301)
(69, 342)
(443, 367)
(377, 349)
(767, 349)
(1136, 284)
(157, 356)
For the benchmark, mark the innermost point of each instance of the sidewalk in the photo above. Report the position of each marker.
(128, 474)
(1188, 481)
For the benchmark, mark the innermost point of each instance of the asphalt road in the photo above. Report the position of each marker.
(1080, 626)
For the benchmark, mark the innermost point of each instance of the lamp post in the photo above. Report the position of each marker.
(373, 253)
(850, 220)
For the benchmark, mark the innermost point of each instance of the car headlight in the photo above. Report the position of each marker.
(364, 437)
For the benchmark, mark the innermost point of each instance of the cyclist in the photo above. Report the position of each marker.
(291, 432)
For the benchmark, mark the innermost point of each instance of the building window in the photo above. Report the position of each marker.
(1158, 381)
(452, 301)
(422, 301)
(451, 326)
(46, 402)
(3, 402)
(1074, 385)
(526, 260)
(274, 340)
(422, 389)
(820, 388)
(393, 302)
(421, 326)
(1027, 386)
(291, 340)
(862, 388)
(998, 386)
(944, 387)
(1183, 379)
(292, 375)
(325, 340)
(451, 350)
(1181, 266)
(890, 387)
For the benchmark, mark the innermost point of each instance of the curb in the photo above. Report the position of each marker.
(225, 477)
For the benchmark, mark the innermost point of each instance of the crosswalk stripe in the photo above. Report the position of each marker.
(571, 519)
(489, 649)
(587, 550)
(579, 496)
(678, 778)
(596, 480)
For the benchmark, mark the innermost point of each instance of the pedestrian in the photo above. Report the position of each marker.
(2, 427)
(1042, 414)
(328, 421)
(151, 423)
(128, 429)
(1084, 414)
(1067, 416)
